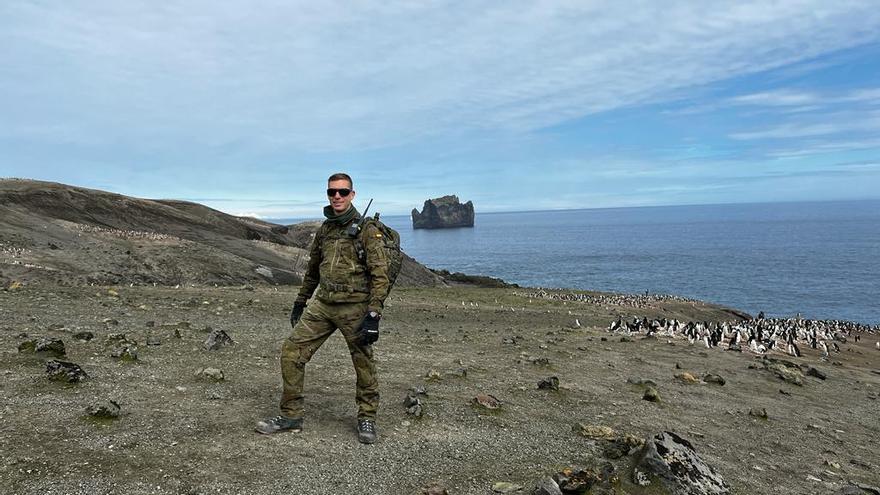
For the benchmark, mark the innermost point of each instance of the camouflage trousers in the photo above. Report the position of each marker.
(318, 322)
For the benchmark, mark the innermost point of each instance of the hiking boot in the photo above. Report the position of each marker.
(279, 424)
(366, 431)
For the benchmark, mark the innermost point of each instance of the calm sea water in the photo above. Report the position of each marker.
(819, 259)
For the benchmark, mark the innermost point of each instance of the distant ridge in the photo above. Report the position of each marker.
(56, 233)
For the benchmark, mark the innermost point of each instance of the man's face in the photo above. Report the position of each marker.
(338, 202)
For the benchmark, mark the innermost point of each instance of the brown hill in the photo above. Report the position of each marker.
(56, 233)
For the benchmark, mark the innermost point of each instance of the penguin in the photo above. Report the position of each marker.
(615, 325)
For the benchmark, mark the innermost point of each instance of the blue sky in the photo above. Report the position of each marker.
(248, 106)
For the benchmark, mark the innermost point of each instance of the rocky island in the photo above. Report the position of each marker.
(443, 213)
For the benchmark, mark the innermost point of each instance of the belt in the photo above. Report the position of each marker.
(333, 287)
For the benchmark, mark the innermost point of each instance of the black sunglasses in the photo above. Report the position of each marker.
(342, 192)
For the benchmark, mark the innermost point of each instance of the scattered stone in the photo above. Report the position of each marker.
(108, 409)
(27, 346)
(55, 327)
(539, 361)
(859, 489)
(153, 340)
(150, 324)
(815, 372)
(672, 462)
(687, 377)
(117, 338)
(678, 366)
(459, 373)
(511, 340)
(433, 374)
(50, 347)
(626, 339)
(65, 371)
(84, 336)
(547, 486)
(112, 293)
(505, 487)
(651, 395)
(125, 352)
(211, 373)
(758, 412)
(713, 378)
(111, 322)
(619, 447)
(487, 401)
(787, 374)
(549, 383)
(413, 403)
(581, 481)
(216, 340)
(643, 382)
(595, 431)
(434, 489)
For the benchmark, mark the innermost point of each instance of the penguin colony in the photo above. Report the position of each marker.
(760, 336)
(630, 300)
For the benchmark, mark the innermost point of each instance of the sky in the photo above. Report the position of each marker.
(248, 107)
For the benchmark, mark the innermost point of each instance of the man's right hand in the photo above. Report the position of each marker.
(296, 313)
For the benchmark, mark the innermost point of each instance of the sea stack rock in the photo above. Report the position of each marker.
(442, 213)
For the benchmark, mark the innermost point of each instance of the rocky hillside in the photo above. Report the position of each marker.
(69, 235)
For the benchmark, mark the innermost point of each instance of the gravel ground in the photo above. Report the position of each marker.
(181, 433)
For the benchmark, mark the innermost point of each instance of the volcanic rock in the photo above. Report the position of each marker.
(445, 212)
(785, 373)
(595, 431)
(487, 401)
(211, 373)
(713, 378)
(216, 340)
(65, 371)
(815, 372)
(671, 461)
(549, 383)
(126, 351)
(581, 481)
(50, 347)
(105, 409)
(651, 395)
(547, 486)
(505, 487)
(434, 489)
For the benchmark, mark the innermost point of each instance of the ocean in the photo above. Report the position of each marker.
(819, 259)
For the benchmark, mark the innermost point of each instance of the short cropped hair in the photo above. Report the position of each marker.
(342, 176)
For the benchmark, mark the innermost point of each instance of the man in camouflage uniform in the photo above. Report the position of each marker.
(351, 289)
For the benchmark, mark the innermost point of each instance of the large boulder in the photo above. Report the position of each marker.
(672, 463)
(442, 213)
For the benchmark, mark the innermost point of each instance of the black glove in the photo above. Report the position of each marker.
(370, 328)
(296, 313)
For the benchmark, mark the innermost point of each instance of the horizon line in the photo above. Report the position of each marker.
(548, 210)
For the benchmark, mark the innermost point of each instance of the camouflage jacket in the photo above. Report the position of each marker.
(337, 272)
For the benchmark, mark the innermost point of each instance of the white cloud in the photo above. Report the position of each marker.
(348, 75)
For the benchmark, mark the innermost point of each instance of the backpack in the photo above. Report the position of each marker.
(391, 245)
